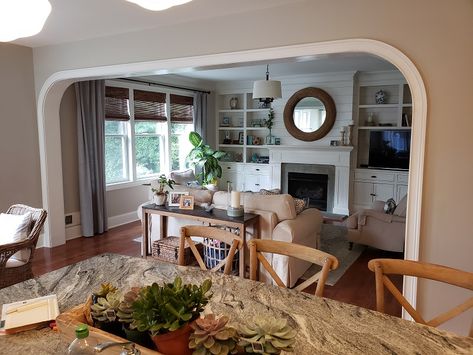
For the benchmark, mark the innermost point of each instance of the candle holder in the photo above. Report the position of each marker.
(235, 211)
(234, 208)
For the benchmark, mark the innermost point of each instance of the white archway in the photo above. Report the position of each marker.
(54, 87)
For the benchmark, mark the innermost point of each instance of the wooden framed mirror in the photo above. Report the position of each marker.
(309, 114)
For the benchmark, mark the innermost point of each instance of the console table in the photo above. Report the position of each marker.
(215, 216)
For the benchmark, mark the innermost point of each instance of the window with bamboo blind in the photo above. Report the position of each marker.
(182, 119)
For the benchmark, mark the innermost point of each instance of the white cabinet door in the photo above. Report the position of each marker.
(252, 183)
(401, 192)
(383, 192)
(363, 192)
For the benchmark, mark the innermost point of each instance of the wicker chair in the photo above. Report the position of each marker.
(13, 271)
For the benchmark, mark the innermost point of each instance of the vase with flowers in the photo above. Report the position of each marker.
(269, 123)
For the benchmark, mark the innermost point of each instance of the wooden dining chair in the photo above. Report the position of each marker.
(327, 261)
(383, 267)
(209, 232)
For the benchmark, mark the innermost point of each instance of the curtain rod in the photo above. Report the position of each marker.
(165, 85)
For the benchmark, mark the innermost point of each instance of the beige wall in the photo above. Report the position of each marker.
(435, 35)
(70, 164)
(20, 178)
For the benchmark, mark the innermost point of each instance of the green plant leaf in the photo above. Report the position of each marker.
(195, 139)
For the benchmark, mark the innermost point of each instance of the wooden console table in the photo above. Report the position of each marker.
(216, 216)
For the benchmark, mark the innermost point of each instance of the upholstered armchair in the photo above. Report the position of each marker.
(375, 228)
(13, 269)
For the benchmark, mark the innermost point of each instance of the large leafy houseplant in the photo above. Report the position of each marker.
(204, 157)
(167, 309)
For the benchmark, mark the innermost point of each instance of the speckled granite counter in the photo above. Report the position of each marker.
(324, 326)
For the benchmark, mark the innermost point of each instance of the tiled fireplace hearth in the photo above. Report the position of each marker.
(309, 167)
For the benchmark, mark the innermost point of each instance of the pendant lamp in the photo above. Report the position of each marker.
(158, 5)
(267, 90)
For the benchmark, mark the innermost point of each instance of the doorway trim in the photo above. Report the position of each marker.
(53, 88)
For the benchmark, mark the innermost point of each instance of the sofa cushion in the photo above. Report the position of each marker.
(282, 205)
(401, 208)
(183, 177)
(300, 204)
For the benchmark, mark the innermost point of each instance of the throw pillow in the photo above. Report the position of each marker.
(183, 177)
(300, 205)
(270, 192)
(14, 229)
(390, 206)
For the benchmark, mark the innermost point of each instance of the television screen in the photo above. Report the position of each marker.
(389, 149)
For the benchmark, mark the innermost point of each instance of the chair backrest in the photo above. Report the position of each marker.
(209, 232)
(327, 261)
(383, 267)
(38, 217)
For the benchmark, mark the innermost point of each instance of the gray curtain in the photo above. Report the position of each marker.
(200, 114)
(90, 96)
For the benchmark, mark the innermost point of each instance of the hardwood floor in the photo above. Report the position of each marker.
(355, 287)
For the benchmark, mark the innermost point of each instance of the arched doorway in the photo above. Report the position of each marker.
(54, 87)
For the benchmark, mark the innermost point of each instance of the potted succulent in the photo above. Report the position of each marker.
(207, 159)
(105, 307)
(212, 336)
(267, 336)
(160, 193)
(166, 312)
(125, 317)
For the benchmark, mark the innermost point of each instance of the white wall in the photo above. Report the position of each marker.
(436, 36)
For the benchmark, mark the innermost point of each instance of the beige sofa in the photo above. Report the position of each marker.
(278, 221)
(377, 229)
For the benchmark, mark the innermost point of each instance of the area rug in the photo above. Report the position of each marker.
(333, 241)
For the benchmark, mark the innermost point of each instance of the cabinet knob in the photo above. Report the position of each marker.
(256, 184)
(257, 169)
(373, 195)
(373, 176)
(229, 167)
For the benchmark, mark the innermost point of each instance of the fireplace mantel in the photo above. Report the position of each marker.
(323, 155)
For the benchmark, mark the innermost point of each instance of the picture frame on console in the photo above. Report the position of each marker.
(175, 198)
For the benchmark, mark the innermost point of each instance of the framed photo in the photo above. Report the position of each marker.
(241, 139)
(175, 198)
(187, 202)
(226, 122)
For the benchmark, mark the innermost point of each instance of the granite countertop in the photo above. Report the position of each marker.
(324, 326)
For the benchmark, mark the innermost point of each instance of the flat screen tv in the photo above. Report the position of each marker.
(389, 149)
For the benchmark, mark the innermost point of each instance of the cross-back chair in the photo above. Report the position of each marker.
(209, 232)
(383, 267)
(327, 261)
(13, 271)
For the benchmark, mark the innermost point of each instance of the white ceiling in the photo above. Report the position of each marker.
(75, 20)
(289, 67)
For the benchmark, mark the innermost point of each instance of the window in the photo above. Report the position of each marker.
(140, 141)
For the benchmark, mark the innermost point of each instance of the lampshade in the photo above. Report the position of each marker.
(267, 90)
(263, 89)
(158, 5)
(22, 18)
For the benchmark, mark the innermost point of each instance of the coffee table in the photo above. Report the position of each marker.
(215, 216)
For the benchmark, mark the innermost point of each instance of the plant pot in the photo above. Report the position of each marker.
(111, 327)
(211, 187)
(159, 199)
(140, 338)
(174, 343)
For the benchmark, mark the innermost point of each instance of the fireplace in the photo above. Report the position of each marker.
(314, 183)
(312, 188)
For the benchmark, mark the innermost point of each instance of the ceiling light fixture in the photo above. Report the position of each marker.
(158, 5)
(267, 90)
(22, 18)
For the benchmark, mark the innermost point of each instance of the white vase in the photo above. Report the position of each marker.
(159, 199)
(211, 187)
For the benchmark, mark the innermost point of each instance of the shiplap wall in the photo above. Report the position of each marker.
(338, 85)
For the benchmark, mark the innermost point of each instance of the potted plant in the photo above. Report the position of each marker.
(267, 336)
(166, 312)
(212, 336)
(269, 123)
(207, 159)
(104, 309)
(159, 193)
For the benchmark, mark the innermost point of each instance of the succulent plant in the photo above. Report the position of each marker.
(267, 336)
(162, 309)
(125, 310)
(105, 309)
(105, 288)
(212, 336)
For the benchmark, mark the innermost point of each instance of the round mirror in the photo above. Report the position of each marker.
(309, 114)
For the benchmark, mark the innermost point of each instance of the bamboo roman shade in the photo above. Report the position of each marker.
(116, 103)
(149, 105)
(182, 109)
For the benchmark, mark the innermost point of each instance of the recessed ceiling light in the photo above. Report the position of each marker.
(158, 5)
(22, 18)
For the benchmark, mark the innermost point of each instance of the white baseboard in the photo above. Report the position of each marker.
(73, 232)
(121, 219)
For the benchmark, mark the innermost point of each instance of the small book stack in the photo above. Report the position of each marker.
(30, 314)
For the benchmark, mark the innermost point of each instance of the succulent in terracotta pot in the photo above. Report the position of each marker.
(212, 336)
(166, 311)
(267, 336)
